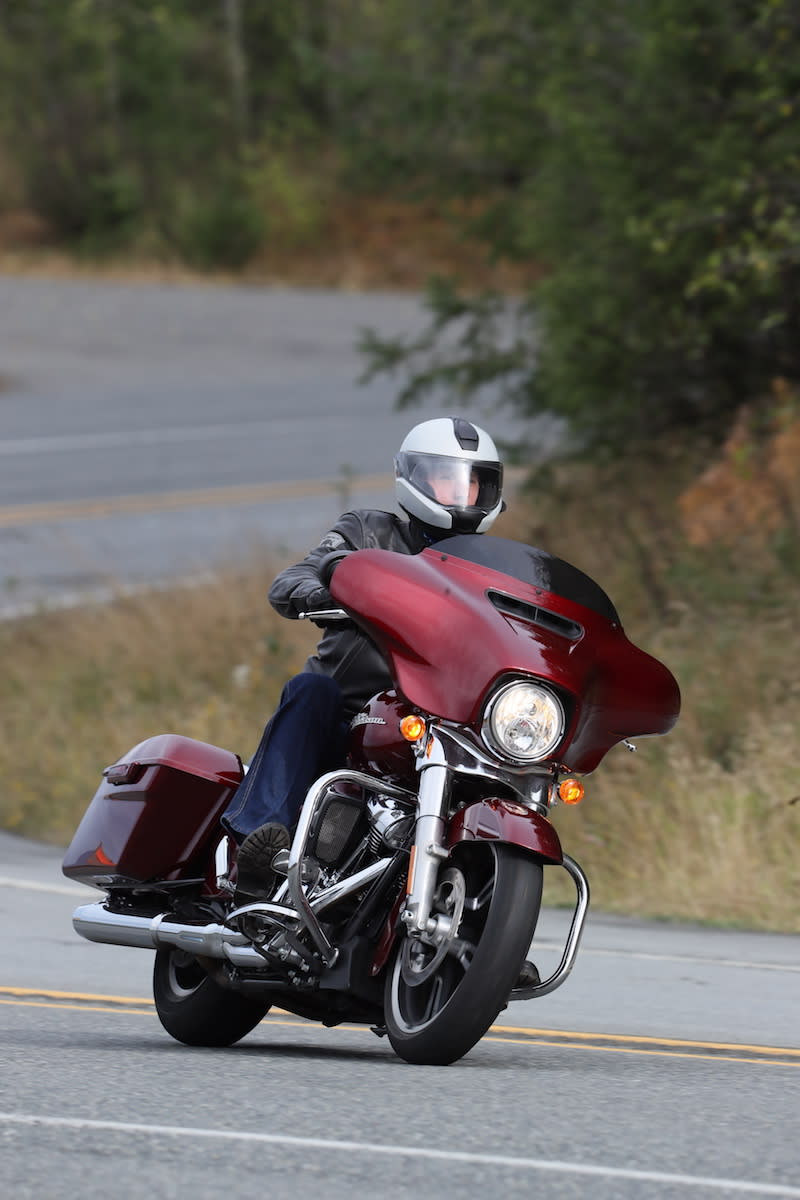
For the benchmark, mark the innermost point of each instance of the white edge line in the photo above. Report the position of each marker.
(424, 1152)
(696, 959)
(29, 885)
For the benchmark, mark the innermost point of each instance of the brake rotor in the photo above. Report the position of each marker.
(420, 959)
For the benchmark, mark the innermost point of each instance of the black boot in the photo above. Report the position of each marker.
(255, 878)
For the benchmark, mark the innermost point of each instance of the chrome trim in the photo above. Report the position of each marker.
(344, 887)
(487, 732)
(573, 937)
(299, 898)
(279, 913)
(97, 924)
(429, 847)
(531, 784)
(221, 857)
(325, 614)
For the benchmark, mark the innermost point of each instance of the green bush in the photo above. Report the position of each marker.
(218, 226)
(655, 182)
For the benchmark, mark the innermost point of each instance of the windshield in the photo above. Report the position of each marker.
(533, 566)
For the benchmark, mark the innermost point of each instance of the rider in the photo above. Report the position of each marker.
(448, 480)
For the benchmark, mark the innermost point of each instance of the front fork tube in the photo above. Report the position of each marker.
(429, 850)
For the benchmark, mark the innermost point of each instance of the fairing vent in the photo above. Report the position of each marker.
(554, 622)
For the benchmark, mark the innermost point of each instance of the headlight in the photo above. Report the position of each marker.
(523, 721)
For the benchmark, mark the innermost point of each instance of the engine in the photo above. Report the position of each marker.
(352, 827)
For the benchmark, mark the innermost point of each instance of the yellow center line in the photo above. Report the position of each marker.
(753, 1059)
(51, 995)
(311, 1027)
(638, 1038)
(220, 497)
(230, 496)
(612, 1043)
(95, 1008)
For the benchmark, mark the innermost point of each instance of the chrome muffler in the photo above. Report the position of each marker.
(97, 924)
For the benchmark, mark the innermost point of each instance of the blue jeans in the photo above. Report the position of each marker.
(304, 738)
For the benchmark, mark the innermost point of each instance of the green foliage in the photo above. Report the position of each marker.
(128, 115)
(219, 227)
(429, 93)
(291, 196)
(482, 347)
(661, 196)
(642, 157)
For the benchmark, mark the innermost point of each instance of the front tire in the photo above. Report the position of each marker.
(436, 1010)
(194, 1009)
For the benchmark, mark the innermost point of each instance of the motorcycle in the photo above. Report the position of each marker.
(409, 897)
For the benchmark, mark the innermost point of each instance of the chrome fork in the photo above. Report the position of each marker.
(429, 849)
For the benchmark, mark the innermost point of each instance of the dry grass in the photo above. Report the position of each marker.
(704, 824)
(80, 687)
(701, 825)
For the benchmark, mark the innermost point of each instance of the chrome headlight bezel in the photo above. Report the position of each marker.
(497, 717)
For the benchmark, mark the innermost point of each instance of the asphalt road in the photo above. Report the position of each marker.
(148, 429)
(667, 1066)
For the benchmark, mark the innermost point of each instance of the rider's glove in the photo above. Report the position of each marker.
(314, 601)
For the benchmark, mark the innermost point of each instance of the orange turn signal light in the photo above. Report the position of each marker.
(571, 791)
(412, 727)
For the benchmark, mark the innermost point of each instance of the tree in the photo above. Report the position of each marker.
(662, 200)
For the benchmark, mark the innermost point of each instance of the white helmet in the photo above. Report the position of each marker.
(449, 476)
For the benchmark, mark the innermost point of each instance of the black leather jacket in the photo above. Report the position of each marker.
(346, 654)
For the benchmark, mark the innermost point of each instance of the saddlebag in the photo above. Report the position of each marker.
(153, 813)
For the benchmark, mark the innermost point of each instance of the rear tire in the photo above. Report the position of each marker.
(194, 1009)
(436, 1011)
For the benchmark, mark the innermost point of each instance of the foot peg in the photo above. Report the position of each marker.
(309, 871)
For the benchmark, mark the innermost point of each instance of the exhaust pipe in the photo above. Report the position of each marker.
(95, 923)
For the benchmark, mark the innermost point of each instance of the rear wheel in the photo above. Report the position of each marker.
(441, 1000)
(196, 1010)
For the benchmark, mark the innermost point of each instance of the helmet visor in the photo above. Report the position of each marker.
(455, 483)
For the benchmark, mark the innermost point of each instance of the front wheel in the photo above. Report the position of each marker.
(441, 1000)
(196, 1010)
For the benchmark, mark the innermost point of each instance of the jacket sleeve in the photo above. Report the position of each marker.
(299, 588)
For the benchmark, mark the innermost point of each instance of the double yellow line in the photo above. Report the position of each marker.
(233, 496)
(221, 497)
(613, 1043)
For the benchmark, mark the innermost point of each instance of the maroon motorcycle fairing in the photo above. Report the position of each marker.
(496, 819)
(453, 628)
(375, 744)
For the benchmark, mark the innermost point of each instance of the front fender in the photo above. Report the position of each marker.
(498, 820)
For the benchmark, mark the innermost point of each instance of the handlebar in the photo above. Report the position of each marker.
(324, 614)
